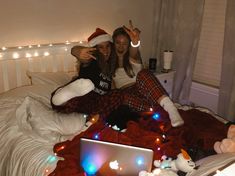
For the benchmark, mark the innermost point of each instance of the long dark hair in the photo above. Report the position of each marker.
(126, 62)
(106, 67)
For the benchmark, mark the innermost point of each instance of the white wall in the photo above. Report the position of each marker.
(204, 96)
(28, 22)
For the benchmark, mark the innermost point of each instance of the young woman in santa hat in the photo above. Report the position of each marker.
(91, 92)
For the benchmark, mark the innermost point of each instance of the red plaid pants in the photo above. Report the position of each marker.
(141, 96)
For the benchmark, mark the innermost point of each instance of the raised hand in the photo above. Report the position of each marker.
(134, 33)
(86, 53)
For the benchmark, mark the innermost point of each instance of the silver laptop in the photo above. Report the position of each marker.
(101, 158)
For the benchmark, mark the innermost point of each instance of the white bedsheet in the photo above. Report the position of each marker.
(29, 129)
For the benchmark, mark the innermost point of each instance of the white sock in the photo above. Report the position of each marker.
(76, 88)
(174, 115)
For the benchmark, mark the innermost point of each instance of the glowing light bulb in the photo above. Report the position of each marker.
(20, 47)
(50, 44)
(1, 55)
(27, 55)
(15, 55)
(158, 148)
(46, 53)
(155, 116)
(4, 48)
(157, 140)
(80, 42)
(36, 54)
(151, 109)
(96, 136)
(30, 46)
(51, 159)
(67, 42)
(60, 148)
(39, 45)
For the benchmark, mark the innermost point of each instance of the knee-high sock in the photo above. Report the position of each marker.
(76, 88)
(174, 115)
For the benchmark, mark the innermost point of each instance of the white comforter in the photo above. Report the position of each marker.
(29, 129)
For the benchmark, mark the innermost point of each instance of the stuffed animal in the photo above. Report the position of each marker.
(169, 167)
(227, 145)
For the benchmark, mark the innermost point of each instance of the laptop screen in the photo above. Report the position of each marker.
(107, 159)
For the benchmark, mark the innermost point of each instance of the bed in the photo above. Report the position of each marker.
(35, 140)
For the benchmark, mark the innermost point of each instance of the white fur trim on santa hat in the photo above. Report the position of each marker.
(99, 39)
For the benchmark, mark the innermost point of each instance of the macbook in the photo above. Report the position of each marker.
(101, 158)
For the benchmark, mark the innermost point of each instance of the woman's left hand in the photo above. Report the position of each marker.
(134, 33)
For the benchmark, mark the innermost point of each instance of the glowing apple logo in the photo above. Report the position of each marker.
(114, 165)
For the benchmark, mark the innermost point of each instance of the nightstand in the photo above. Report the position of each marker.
(166, 80)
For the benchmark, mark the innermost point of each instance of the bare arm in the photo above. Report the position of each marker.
(134, 34)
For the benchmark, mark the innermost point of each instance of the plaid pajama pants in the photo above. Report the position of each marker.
(141, 96)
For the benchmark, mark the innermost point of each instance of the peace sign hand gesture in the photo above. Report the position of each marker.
(86, 53)
(134, 33)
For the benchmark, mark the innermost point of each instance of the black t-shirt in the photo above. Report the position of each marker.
(101, 81)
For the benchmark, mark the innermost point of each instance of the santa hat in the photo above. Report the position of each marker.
(98, 37)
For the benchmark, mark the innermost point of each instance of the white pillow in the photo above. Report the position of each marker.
(36, 119)
(54, 78)
(212, 163)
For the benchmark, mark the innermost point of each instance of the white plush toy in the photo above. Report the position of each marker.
(169, 167)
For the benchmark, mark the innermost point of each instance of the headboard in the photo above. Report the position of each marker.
(16, 61)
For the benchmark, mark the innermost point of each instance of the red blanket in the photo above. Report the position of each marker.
(200, 130)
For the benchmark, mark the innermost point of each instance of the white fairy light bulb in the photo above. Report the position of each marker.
(20, 47)
(30, 46)
(151, 109)
(50, 44)
(4, 48)
(67, 42)
(15, 55)
(39, 45)
(46, 53)
(27, 55)
(1, 56)
(80, 42)
(36, 54)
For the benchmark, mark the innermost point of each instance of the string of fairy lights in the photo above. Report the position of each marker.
(51, 159)
(37, 50)
(97, 136)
